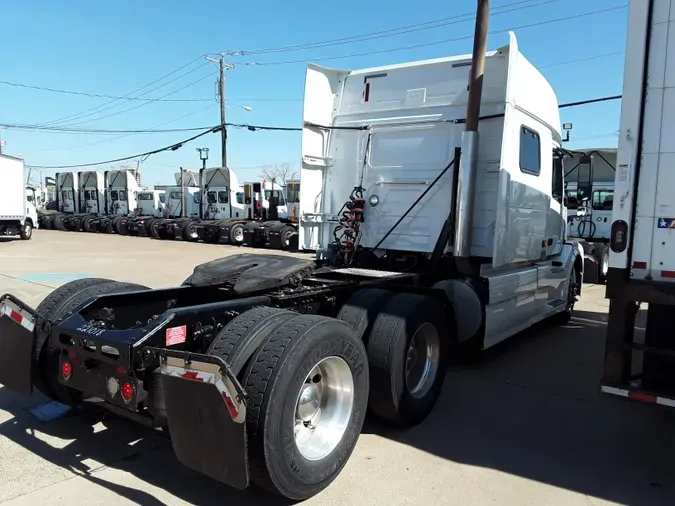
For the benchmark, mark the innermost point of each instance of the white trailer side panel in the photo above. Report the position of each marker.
(646, 147)
(13, 188)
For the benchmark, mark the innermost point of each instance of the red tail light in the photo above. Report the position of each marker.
(127, 392)
(66, 370)
(619, 237)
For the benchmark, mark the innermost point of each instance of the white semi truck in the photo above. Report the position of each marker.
(640, 364)
(151, 207)
(589, 189)
(80, 199)
(433, 229)
(18, 215)
(67, 193)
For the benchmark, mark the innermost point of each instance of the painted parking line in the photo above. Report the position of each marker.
(52, 277)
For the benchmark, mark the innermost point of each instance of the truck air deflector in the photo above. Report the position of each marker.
(206, 415)
(17, 324)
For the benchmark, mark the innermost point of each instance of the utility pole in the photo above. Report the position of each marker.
(222, 65)
(466, 183)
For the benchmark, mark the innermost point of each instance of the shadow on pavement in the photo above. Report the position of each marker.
(121, 445)
(531, 407)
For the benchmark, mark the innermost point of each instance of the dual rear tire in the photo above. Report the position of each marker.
(311, 380)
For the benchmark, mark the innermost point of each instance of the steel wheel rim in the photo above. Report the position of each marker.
(323, 408)
(422, 359)
(238, 234)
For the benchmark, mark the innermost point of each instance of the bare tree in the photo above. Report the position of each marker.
(278, 173)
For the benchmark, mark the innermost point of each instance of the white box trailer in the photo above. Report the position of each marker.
(18, 216)
(642, 259)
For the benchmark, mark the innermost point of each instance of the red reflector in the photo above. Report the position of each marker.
(191, 375)
(639, 265)
(668, 274)
(66, 370)
(637, 396)
(366, 94)
(230, 406)
(127, 392)
(16, 316)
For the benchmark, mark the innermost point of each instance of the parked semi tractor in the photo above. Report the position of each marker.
(151, 207)
(640, 363)
(18, 214)
(183, 203)
(266, 220)
(67, 194)
(121, 197)
(589, 187)
(80, 200)
(429, 235)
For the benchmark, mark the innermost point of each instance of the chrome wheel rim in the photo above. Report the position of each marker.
(323, 408)
(422, 358)
(238, 234)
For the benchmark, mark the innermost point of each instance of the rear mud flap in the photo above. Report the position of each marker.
(591, 270)
(17, 324)
(206, 415)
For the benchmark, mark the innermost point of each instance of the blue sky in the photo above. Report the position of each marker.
(113, 48)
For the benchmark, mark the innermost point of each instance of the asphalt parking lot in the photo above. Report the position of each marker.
(522, 425)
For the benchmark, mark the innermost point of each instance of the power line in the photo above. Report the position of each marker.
(590, 101)
(96, 95)
(253, 128)
(92, 131)
(171, 147)
(434, 43)
(145, 103)
(153, 130)
(133, 133)
(587, 58)
(107, 105)
(402, 30)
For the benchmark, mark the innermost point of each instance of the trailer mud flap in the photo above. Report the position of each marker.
(17, 324)
(206, 415)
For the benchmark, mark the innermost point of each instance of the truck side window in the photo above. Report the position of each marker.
(70, 194)
(557, 186)
(113, 195)
(87, 195)
(222, 197)
(240, 198)
(530, 151)
(603, 200)
(196, 198)
(211, 197)
(123, 195)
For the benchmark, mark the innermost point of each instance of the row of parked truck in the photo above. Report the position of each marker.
(208, 205)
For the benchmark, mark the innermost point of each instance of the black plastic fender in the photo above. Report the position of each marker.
(467, 306)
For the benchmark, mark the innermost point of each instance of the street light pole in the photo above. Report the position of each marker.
(203, 156)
